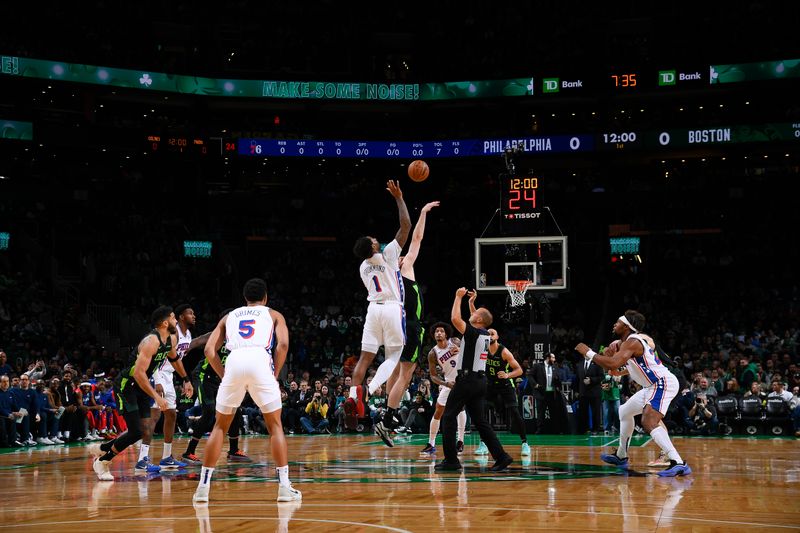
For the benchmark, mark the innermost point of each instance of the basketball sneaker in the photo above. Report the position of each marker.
(238, 457)
(428, 450)
(662, 461)
(191, 459)
(201, 494)
(481, 449)
(146, 466)
(350, 414)
(676, 469)
(613, 459)
(362, 393)
(171, 462)
(526, 450)
(289, 494)
(101, 469)
(384, 433)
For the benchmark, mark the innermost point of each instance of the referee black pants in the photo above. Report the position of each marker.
(470, 393)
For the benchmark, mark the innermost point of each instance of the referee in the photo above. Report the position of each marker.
(470, 388)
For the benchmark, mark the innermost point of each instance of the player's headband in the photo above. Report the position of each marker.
(625, 321)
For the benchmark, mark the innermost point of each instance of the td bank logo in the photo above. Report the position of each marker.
(666, 77)
(550, 85)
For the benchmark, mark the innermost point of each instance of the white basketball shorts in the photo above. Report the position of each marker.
(444, 392)
(248, 370)
(659, 395)
(385, 325)
(165, 380)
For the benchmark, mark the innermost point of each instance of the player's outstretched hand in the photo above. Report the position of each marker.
(460, 292)
(430, 206)
(473, 294)
(582, 349)
(394, 189)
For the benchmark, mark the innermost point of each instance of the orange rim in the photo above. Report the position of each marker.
(518, 285)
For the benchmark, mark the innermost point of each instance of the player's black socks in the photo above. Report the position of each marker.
(234, 445)
(388, 417)
(106, 446)
(193, 442)
(108, 455)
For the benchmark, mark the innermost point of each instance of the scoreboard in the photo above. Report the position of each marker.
(623, 139)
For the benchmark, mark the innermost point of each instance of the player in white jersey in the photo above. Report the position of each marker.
(164, 385)
(445, 355)
(258, 340)
(637, 353)
(385, 321)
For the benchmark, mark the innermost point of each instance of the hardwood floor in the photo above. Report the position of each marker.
(355, 483)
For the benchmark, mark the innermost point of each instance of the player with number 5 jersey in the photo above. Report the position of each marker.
(258, 339)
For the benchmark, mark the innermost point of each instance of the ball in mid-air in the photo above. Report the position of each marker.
(418, 170)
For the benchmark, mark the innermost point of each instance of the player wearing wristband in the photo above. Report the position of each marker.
(637, 353)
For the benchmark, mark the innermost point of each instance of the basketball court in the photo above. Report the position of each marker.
(355, 483)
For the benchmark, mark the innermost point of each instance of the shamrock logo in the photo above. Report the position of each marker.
(146, 80)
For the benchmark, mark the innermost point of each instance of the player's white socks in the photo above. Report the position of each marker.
(353, 393)
(433, 431)
(386, 369)
(205, 476)
(462, 424)
(625, 432)
(661, 437)
(283, 475)
(144, 451)
(167, 450)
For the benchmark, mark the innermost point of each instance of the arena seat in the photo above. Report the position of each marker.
(752, 415)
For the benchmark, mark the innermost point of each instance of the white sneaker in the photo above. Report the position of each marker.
(56, 440)
(44, 440)
(289, 494)
(482, 449)
(101, 469)
(29, 442)
(526, 450)
(201, 494)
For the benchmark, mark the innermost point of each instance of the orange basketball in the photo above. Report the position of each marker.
(418, 170)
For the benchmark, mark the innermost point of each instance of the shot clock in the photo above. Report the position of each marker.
(519, 197)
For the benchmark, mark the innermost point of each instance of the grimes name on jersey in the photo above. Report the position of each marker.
(247, 312)
(541, 144)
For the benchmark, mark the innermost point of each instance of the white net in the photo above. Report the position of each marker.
(517, 290)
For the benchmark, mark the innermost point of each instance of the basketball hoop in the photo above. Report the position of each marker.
(517, 289)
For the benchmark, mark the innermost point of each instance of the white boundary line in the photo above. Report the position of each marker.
(340, 505)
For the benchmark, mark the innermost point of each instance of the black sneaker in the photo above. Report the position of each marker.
(428, 450)
(447, 466)
(501, 464)
(384, 434)
(460, 446)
